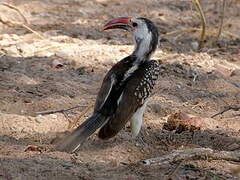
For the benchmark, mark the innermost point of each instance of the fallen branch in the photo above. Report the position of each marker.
(203, 22)
(194, 154)
(58, 111)
(228, 108)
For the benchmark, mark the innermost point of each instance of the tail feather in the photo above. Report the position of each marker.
(72, 142)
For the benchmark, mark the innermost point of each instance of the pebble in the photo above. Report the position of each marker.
(12, 50)
(235, 72)
(236, 84)
(194, 45)
(26, 49)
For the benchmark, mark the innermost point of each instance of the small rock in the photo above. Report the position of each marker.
(178, 86)
(26, 49)
(81, 70)
(57, 64)
(129, 150)
(62, 54)
(223, 70)
(155, 107)
(235, 72)
(27, 100)
(12, 50)
(109, 62)
(137, 145)
(39, 119)
(67, 165)
(236, 84)
(233, 146)
(194, 45)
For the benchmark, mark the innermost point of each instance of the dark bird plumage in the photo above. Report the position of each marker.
(125, 88)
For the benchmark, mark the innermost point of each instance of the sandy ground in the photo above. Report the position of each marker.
(64, 64)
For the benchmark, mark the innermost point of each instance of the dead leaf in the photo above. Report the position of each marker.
(34, 148)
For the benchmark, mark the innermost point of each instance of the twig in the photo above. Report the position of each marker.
(74, 123)
(228, 108)
(16, 9)
(52, 47)
(179, 30)
(210, 32)
(229, 34)
(34, 32)
(194, 154)
(203, 22)
(8, 22)
(221, 18)
(58, 111)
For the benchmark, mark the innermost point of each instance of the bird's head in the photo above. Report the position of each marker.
(145, 34)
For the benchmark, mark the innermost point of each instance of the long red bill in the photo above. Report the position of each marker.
(121, 23)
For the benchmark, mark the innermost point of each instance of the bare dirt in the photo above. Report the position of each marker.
(65, 66)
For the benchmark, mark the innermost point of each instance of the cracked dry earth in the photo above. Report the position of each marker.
(64, 67)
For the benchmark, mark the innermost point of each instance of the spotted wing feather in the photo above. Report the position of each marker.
(139, 87)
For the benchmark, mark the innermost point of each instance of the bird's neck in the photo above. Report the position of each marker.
(142, 50)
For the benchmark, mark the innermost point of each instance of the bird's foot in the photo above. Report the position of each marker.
(140, 140)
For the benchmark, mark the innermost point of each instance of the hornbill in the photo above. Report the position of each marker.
(125, 88)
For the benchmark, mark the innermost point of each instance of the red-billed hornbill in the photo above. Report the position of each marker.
(125, 88)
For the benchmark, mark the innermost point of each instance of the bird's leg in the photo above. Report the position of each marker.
(140, 139)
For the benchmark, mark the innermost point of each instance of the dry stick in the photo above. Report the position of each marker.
(179, 30)
(221, 18)
(213, 32)
(8, 22)
(58, 111)
(194, 154)
(231, 35)
(52, 47)
(235, 108)
(16, 9)
(203, 22)
(34, 32)
(75, 123)
(222, 13)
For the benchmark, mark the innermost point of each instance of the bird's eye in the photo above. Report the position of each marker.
(134, 24)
